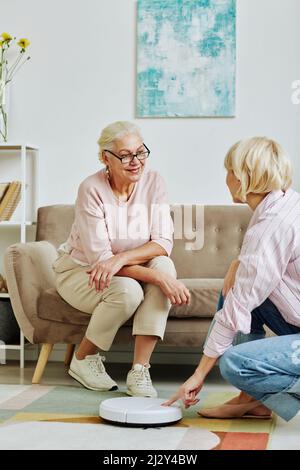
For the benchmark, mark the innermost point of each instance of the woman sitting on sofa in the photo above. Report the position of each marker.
(115, 263)
(261, 288)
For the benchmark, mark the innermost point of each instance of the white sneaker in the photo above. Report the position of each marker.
(139, 382)
(90, 372)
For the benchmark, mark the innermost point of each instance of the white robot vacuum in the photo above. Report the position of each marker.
(138, 411)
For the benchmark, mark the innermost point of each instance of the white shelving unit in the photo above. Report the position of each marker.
(23, 151)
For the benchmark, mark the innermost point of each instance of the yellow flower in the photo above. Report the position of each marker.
(6, 36)
(23, 43)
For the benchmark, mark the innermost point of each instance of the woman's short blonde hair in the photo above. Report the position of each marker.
(116, 130)
(261, 165)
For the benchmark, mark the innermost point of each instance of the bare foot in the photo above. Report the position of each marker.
(261, 410)
(234, 401)
(239, 406)
(240, 399)
(231, 411)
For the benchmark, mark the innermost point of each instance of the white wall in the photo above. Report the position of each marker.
(82, 76)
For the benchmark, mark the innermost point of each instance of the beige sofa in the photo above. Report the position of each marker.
(46, 318)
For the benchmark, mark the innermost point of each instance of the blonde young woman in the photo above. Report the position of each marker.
(261, 288)
(115, 263)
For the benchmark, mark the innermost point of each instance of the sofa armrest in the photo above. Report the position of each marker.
(28, 269)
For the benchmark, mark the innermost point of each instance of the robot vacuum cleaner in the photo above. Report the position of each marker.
(139, 411)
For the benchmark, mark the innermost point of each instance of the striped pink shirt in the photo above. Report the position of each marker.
(269, 268)
(105, 226)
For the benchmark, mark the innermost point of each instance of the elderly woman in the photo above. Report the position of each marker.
(115, 263)
(261, 288)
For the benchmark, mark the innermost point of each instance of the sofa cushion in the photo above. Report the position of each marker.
(204, 298)
(51, 306)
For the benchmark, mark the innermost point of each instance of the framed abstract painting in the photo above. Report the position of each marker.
(186, 58)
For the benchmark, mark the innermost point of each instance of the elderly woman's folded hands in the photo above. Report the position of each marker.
(102, 272)
(174, 289)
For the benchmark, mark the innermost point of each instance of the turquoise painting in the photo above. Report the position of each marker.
(186, 58)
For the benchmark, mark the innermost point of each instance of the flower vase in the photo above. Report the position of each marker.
(3, 112)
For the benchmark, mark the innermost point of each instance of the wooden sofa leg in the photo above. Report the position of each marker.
(42, 361)
(69, 354)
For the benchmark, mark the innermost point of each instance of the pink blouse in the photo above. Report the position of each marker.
(105, 226)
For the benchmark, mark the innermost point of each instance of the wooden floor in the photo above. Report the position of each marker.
(56, 373)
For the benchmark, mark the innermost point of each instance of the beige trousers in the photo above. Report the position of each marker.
(112, 307)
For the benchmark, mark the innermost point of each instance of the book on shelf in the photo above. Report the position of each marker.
(3, 188)
(10, 200)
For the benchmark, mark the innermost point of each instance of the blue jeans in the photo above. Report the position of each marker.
(266, 369)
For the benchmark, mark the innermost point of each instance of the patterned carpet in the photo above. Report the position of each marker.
(67, 404)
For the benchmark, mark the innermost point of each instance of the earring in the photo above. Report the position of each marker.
(107, 172)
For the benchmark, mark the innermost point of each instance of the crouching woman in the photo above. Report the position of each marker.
(262, 288)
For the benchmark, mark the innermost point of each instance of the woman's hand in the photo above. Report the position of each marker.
(188, 391)
(230, 277)
(102, 272)
(175, 290)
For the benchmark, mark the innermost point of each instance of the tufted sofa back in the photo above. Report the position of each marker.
(206, 238)
(218, 233)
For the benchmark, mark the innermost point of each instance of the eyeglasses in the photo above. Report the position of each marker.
(127, 159)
